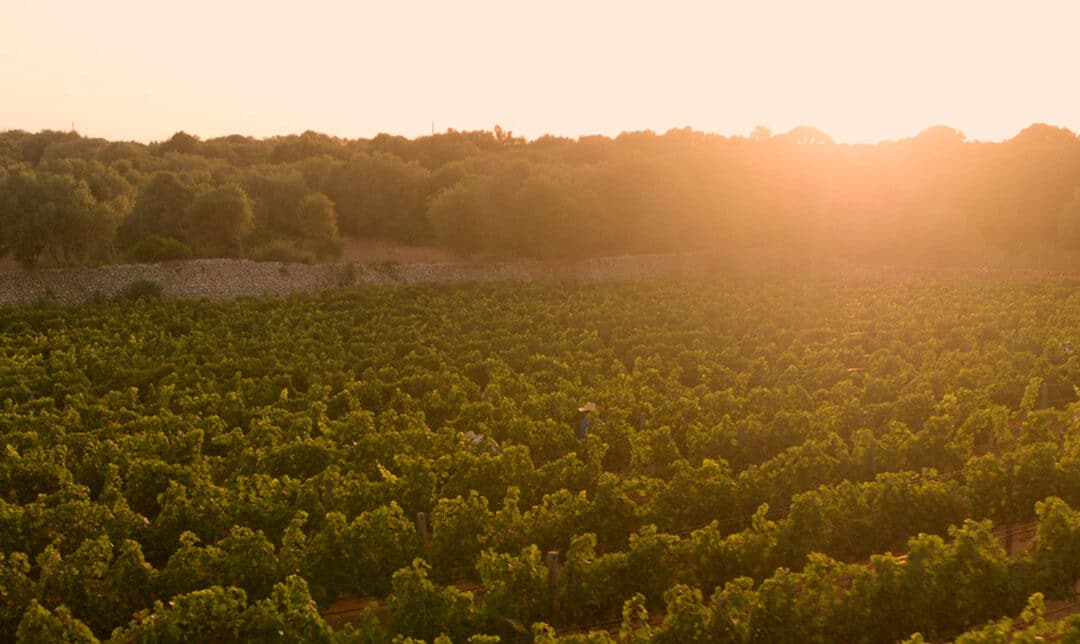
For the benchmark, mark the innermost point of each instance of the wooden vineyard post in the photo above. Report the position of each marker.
(1010, 513)
(553, 582)
(1044, 397)
(421, 530)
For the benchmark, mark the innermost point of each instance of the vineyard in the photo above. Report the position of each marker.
(772, 460)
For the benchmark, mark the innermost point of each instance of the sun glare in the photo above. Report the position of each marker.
(862, 71)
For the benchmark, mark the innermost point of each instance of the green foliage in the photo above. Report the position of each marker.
(1030, 626)
(159, 208)
(517, 589)
(188, 470)
(181, 142)
(103, 584)
(379, 195)
(292, 224)
(1069, 223)
(316, 218)
(51, 215)
(687, 619)
(460, 528)
(223, 614)
(521, 210)
(140, 290)
(359, 557)
(932, 199)
(281, 250)
(42, 626)
(217, 221)
(1056, 553)
(156, 248)
(17, 591)
(419, 608)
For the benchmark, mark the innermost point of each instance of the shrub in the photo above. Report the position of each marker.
(282, 251)
(156, 248)
(145, 290)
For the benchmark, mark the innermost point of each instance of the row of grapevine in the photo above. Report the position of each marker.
(273, 447)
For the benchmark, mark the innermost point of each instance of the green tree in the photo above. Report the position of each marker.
(316, 219)
(33, 146)
(218, 220)
(380, 195)
(276, 194)
(307, 145)
(181, 142)
(159, 209)
(54, 215)
(1069, 222)
(455, 218)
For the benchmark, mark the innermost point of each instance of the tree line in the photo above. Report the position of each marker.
(934, 198)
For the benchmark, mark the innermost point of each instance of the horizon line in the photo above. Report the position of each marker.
(572, 137)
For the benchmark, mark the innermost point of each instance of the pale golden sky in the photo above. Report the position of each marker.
(862, 70)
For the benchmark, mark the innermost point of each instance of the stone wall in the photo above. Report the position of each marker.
(225, 278)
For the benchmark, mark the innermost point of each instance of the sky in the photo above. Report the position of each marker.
(861, 70)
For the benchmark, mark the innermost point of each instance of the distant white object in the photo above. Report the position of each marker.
(481, 441)
(587, 407)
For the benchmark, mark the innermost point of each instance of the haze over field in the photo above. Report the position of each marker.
(861, 71)
(723, 323)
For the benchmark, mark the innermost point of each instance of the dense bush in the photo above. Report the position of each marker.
(140, 290)
(282, 251)
(156, 248)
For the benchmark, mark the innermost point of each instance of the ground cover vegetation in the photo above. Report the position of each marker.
(772, 461)
(931, 199)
